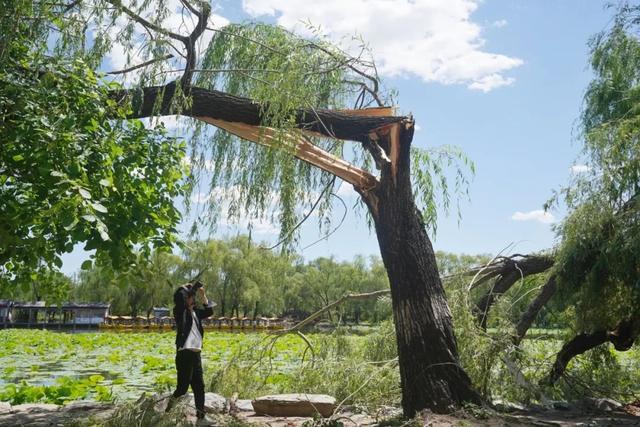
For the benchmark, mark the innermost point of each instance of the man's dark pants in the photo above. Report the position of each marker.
(189, 367)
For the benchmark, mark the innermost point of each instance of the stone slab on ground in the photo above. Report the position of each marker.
(32, 408)
(347, 419)
(5, 408)
(84, 406)
(294, 405)
(601, 403)
(244, 405)
(40, 415)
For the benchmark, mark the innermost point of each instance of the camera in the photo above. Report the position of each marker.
(194, 287)
(185, 291)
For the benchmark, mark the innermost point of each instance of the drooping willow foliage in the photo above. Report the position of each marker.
(286, 72)
(599, 256)
(280, 70)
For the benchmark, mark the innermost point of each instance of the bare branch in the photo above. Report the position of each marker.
(140, 20)
(144, 64)
(317, 314)
(192, 9)
(190, 42)
(365, 88)
(527, 318)
(511, 270)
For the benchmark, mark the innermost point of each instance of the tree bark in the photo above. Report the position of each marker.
(430, 372)
(213, 104)
(525, 322)
(622, 338)
(513, 271)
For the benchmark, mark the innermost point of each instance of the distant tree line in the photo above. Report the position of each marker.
(242, 277)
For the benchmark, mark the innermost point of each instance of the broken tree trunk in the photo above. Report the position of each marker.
(430, 372)
(213, 104)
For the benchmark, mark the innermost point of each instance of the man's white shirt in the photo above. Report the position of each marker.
(194, 340)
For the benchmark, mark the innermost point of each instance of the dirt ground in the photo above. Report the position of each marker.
(91, 413)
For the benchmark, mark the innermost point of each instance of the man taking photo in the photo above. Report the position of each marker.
(191, 306)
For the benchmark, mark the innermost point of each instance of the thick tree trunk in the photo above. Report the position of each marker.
(161, 101)
(430, 372)
(525, 322)
(513, 271)
(622, 338)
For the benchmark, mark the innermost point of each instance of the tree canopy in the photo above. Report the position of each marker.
(72, 168)
(598, 255)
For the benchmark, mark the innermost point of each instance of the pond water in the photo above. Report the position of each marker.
(126, 363)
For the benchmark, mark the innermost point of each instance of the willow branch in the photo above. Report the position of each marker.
(191, 8)
(140, 20)
(190, 42)
(144, 64)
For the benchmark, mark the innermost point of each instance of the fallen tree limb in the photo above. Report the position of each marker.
(507, 271)
(622, 338)
(317, 314)
(530, 314)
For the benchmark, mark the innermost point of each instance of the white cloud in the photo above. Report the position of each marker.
(578, 169)
(536, 215)
(499, 23)
(490, 82)
(435, 40)
(418, 128)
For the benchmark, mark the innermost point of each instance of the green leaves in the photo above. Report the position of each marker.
(598, 264)
(282, 72)
(84, 193)
(68, 170)
(431, 178)
(98, 207)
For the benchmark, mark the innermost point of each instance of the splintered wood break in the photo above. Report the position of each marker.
(370, 112)
(303, 150)
(394, 148)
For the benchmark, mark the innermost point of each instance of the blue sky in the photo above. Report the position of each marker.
(501, 79)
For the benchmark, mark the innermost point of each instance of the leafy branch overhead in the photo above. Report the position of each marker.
(289, 80)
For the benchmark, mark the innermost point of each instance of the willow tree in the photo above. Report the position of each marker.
(598, 264)
(288, 94)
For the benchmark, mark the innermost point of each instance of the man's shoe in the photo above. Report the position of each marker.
(207, 421)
